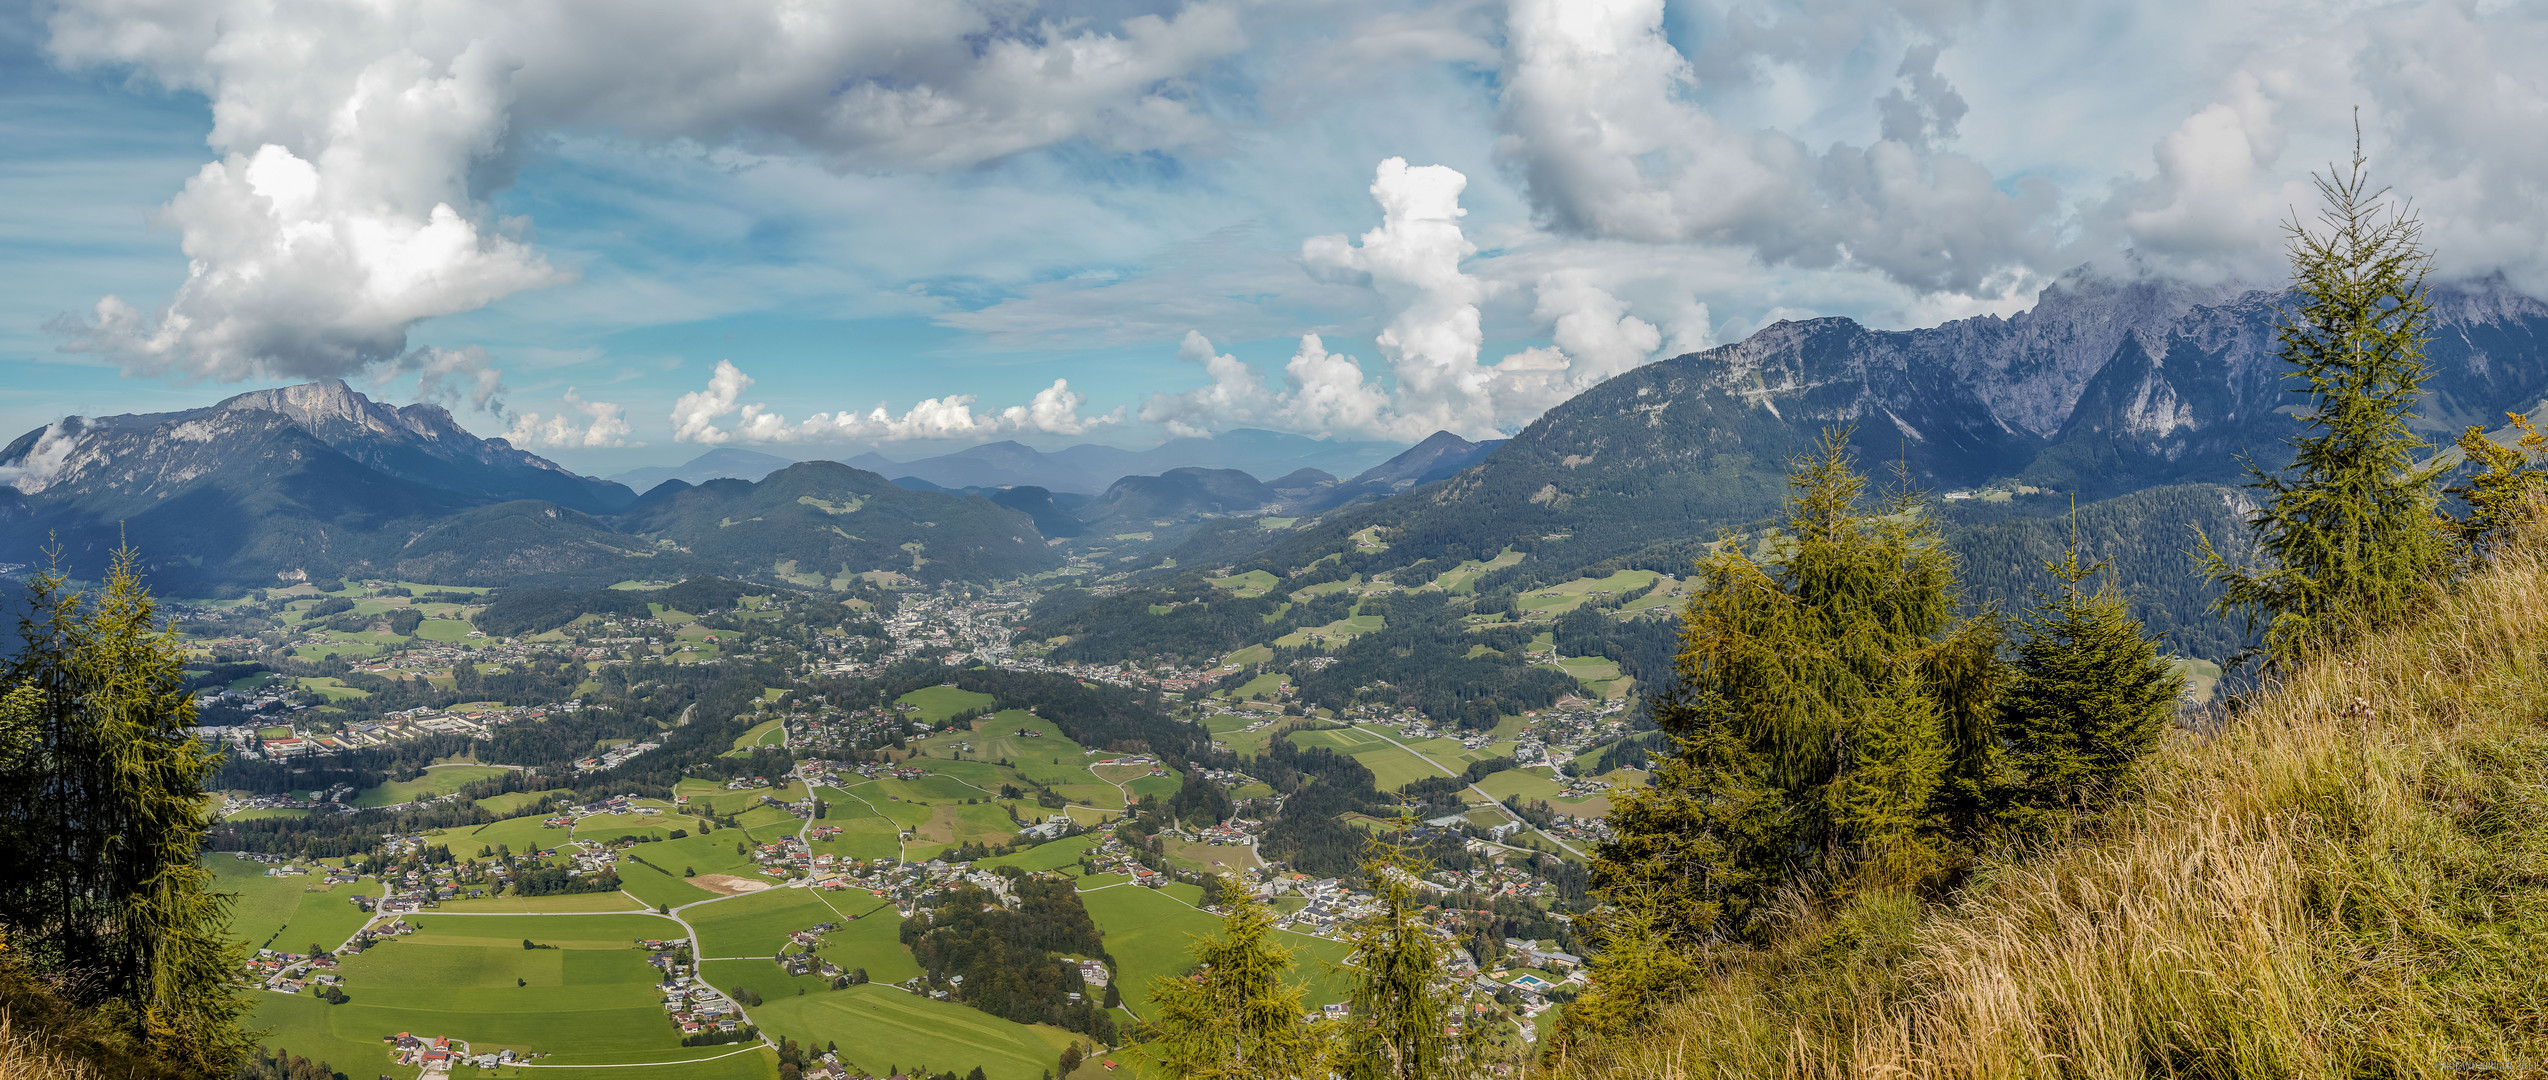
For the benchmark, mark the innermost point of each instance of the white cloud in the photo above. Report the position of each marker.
(604, 425)
(450, 376)
(695, 418)
(359, 142)
(1431, 341)
(43, 461)
(1600, 118)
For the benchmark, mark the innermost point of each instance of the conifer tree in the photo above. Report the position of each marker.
(1402, 1014)
(1835, 713)
(2504, 484)
(1638, 967)
(101, 822)
(2347, 530)
(1234, 1017)
(2089, 692)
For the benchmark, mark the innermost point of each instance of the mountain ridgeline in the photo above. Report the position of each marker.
(2135, 401)
(317, 481)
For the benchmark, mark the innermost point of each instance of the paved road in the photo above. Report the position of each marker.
(1499, 803)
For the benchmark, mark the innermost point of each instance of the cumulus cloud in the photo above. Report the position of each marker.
(1431, 342)
(603, 425)
(358, 143)
(697, 417)
(1599, 118)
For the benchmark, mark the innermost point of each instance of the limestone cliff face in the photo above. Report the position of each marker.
(2109, 384)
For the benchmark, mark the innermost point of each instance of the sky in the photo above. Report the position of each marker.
(623, 232)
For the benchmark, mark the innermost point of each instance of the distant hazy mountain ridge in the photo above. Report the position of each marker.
(318, 480)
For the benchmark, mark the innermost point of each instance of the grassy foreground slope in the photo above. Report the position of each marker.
(2351, 880)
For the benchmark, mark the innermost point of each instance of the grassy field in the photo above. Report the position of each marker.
(1459, 579)
(765, 733)
(1252, 583)
(932, 704)
(584, 1006)
(572, 903)
(520, 834)
(1149, 931)
(1567, 596)
(756, 924)
(438, 780)
(1061, 855)
(442, 630)
(567, 932)
(870, 937)
(589, 1001)
(1391, 766)
(283, 910)
(880, 1028)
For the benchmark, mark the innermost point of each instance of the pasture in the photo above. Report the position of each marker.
(283, 910)
(880, 1028)
(932, 704)
(438, 780)
(1150, 933)
(756, 924)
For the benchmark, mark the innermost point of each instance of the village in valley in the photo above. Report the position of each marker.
(760, 887)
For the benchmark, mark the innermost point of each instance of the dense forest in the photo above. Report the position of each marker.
(1008, 962)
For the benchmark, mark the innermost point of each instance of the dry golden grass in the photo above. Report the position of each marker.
(2350, 881)
(24, 1058)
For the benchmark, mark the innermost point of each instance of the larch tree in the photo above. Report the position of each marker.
(1234, 1017)
(1404, 1010)
(2348, 531)
(102, 823)
(2504, 484)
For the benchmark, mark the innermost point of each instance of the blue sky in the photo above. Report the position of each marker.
(625, 232)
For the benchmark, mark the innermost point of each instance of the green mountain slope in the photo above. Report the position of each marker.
(823, 518)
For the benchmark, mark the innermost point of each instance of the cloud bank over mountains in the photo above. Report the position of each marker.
(1565, 188)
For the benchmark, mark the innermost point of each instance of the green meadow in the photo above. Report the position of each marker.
(1151, 932)
(438, 780)
(880, 1028)
(931, 704)
(756, 924)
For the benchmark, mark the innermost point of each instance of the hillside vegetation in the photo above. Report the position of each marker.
(2347, 880)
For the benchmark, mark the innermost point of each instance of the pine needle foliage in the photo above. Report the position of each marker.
(1833, 716)
(2504, 484)
(1404, 1012)
(2088, 695)
(1234, 1017)
(2348, 529)
(101, 822)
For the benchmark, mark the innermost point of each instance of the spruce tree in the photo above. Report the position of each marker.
(102, 822)
(2089, 692)
(2348, 530)
(1403, 1009)
(1833, 717)
(1234, 1017)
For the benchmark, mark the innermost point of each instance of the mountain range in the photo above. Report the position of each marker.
(1085, 469)
(313, 481)
(2106, 387)
(2140, 399)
